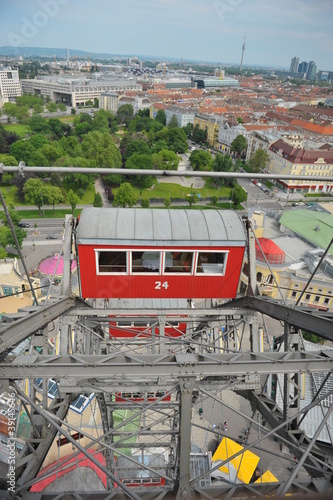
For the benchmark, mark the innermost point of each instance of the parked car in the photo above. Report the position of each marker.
(51, 237)
(23, 224)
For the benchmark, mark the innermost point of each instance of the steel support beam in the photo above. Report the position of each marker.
(21, 329)
(121, 368)
(297, 318)
(186, 385)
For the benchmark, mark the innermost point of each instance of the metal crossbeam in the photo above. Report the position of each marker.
(22, 329)
(299, 318)
(119, 368)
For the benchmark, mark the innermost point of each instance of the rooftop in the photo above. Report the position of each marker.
(314, 227)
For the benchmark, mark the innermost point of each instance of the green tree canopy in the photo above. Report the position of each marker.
(136, 147)
(173, 122)
(201, 160)
(125, 113)
(125, 196)
(259, 160)
(222, 164)
(143, 162)
(239, 145)
(160, 117)
(39, 125)
(239, 194)
(98, 202)
(34, 192)
(166, 160)
(199, 135)
(192, 199)
(101, 148)
(72, 199)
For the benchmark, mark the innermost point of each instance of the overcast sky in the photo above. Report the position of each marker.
(209, 30)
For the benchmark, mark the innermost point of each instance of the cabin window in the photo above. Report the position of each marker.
(111, 262)
(178, 262)
(211, 262)
(146, 262)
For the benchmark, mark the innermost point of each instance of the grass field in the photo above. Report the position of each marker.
(66, 119)
(18, 128)
(171, 190)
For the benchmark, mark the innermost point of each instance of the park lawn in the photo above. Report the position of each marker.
(18, 128)
(171, 190)
(9, 193)
(49, 214)
(66, 119)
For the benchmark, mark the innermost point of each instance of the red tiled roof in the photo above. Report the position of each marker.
(299, 155)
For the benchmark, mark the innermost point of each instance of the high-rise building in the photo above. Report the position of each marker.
(303, 67)
(10, 87)
(294, 65)
(312, 71)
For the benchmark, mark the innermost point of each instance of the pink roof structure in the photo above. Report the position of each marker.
(54, 265)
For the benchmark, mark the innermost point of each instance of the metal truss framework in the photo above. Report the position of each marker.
(182, 372)
(156, 395)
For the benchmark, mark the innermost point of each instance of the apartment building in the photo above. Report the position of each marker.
(183, 115)
(212, 125)
(10, 87)
(109, 101)
(286, 159)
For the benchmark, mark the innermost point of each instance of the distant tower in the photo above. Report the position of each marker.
(243, 50)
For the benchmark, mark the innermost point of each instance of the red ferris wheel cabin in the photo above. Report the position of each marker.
(147, 253)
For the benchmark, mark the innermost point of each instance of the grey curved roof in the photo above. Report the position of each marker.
(159, 227)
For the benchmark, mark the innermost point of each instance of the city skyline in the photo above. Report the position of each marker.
(191, 29)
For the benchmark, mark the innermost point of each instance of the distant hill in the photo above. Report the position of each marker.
(10, 51)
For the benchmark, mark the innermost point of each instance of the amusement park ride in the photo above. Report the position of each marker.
(127, 376)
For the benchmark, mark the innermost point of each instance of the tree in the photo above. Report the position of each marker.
(73, 111)
(188, 129)
(173, 122)
(98, 202)
(101, 148)
(38, 108)
(136, 147)
(222, 164)
(160, 117)
(125, 113)
(125, 196)
(22, 151)
(72, 199)
(53, 195)
(58, 128)
(62, 106)
(239, 145)
(192, 199)
(199, 135)
(34, 192)
(145, 203)
(239, 194)
(258, 161)
(52, 107)
(166, 160)
(201, 160)
(10, 109)
(38, 124)
(143, 162)
(167, 202)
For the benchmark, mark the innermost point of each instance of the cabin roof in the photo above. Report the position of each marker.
(135, 226)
